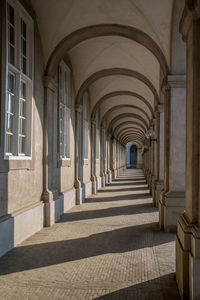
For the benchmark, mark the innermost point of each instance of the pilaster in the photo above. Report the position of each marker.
(188, 231)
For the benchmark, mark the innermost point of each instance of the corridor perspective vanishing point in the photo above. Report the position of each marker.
(99, 149)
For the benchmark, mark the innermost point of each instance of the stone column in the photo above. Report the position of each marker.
(160, 157)
(48, 195)
(93, 155)
(78, 149)
(139, 158)
(188, 232)
(172, 201)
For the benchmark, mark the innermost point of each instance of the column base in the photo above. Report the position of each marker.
(171, 206)
(49, 207)
(139, 166)
(103, 179)
(109, 173)
(49, 214)
(94, 184)
(188, 259)
(114, 173)
(154, 181)
(78, 187)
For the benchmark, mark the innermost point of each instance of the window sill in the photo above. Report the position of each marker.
(85, 161)
(15, 158)
(65, 162)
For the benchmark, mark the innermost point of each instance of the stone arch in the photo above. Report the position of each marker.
(132, 139)
(115, 71)
(129, 123)
(128, 137)
(124, 106)
(135, 129)
(90, 32)
(127, 115)
(121, 93)
(129, 131)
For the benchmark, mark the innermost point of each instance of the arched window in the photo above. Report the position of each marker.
(64, 110)
(19, 84)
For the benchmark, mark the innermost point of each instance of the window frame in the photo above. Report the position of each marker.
(65, 101)
(20, 14)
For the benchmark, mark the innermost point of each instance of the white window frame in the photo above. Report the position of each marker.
(65, 96)
(97, 136)
(86, 128)
(20, 14)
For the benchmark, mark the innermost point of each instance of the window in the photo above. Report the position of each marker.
(64, 109)
(85, 126)
(97, 136)
(19, 82)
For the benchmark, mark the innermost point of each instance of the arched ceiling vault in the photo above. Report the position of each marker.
(107, 97)
(128, 134)
(127, 115)
(131, 133)
(115, 71)
(83, 34)
(119, 52)
(135, 129)
(131, 138)
(119, 108)
(125, 124)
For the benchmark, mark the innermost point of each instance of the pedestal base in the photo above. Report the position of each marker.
(94, 184)
(109, 176)
(159, 188)
(171, 206)
(79, 196)
(188, 259)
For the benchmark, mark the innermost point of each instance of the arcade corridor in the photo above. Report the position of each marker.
(97, 96)
(108, 248)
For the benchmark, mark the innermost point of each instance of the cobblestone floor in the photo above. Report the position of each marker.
(108, 248)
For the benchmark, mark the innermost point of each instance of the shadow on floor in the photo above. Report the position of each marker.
(115, 241)
(126, 183)
(129, 179)
(118, 198)
(108, 212)
(164, 287)
(123, 190)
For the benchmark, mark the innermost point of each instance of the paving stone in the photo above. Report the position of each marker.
(108, 248)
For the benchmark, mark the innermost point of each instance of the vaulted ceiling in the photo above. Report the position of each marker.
(119, 50)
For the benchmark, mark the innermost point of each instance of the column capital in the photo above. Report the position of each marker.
(93, 121)
(50, 83)
(78, 107)
(160, 108)
(191, 12)
(173, 81)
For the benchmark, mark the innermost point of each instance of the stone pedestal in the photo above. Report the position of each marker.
(172, 199)
(188, 231)
(188, 259)
(94, 184)
(174, 205)
(78, 188)
(109, 174)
